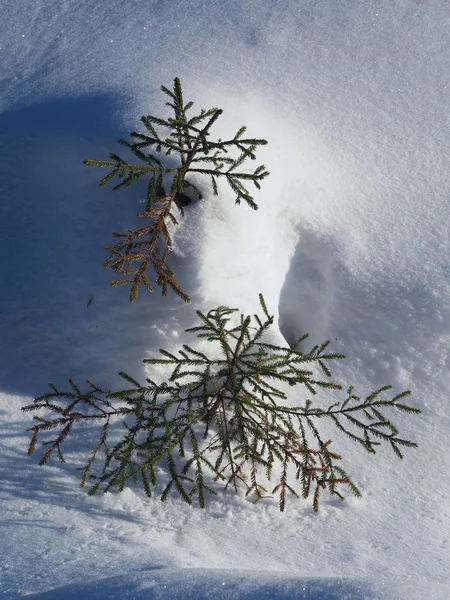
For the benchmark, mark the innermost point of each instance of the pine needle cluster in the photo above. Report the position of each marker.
(223, 416)
(188, 139)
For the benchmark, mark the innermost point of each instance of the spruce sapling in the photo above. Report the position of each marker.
(188, 139)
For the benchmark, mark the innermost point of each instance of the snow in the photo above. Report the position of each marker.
(351, 242)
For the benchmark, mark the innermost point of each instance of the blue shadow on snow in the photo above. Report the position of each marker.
(59, 317)
(212, 584)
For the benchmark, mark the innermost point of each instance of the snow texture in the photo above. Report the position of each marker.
(351, 243)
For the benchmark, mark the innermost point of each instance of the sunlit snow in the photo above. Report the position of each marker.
(351, 243)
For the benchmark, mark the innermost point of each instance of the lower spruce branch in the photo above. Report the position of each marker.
(224, 416)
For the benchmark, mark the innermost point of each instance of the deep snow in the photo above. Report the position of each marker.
(351, 243)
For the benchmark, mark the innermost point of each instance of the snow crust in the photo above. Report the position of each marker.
(351, 243)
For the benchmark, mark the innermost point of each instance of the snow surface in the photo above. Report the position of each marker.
(351, 242)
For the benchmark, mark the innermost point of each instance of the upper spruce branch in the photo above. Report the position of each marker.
(224, 416)
(189, 139)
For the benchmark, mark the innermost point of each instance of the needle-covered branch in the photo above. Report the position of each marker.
(246, 413)
(187, 139)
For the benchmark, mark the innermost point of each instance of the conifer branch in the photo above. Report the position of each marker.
(238, 414)
(188, 138)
